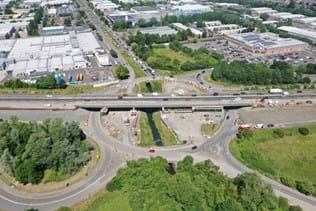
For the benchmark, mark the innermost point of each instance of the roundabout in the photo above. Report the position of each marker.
(113, 155)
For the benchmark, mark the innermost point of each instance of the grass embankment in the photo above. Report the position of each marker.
(209, 129)
(168, 136)
(283, 154)
(172, 60)
(137, 70)
(146, 136)
(109, 36)
(69, 90)
(157, 86)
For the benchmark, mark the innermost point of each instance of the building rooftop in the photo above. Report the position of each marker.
(300, 31)
(266, 40)
(163, 30)
(143, 8)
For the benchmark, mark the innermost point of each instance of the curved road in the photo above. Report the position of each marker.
(113, 154)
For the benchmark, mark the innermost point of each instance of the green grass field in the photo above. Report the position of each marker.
(168, 62)
(292, 156)
(172, 54)
(138, 72)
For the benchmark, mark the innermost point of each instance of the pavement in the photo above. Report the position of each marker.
(113, 155)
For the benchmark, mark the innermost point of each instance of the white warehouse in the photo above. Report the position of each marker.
(50, 53)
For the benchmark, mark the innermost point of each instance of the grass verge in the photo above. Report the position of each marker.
(167, 135)
(146, 136)
(209, 129)
(138, 72)
(67, 91)
(283, 154)
(104, 200)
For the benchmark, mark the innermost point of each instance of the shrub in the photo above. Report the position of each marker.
(303, 131)
(295, 208)
(288, 181)
(247, 134)
(283, 203)
(279, 133)
(122, 72)
(305, 187)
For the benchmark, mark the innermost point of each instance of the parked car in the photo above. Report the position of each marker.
(270, 125)
(194, 147)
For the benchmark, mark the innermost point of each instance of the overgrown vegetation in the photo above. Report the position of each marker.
(285, 154)
(137, 70)
(173, 59)
(242, 72)
(46, 82)
(151, 185)
(42, 152)
(122, 72)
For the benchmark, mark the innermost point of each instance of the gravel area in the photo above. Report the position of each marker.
(279, 115)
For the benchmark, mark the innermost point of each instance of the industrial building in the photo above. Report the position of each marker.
(181, 27)
(162, 30)
(49, 53)
(104, 5)
(7, 27)
(190, 9)
(266, 43)
(310, 35)
(285, 16)
(53, 30)
(216, 27)
(258, 11)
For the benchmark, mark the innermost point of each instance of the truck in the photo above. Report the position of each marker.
(276, 91)
(244, 127)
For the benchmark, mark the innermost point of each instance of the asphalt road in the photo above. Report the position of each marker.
(113, 154)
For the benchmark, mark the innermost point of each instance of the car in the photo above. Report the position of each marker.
(215, 94)
(236, 94)
(299, 91)
(120, 97)
(203, 71)
(193, 95)
(194, 147)
(270, 125)
(165, 99)
(309, 102)
(243, 93)
(227, 117)
(201, 82)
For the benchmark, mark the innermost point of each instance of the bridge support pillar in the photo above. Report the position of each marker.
(104, 111)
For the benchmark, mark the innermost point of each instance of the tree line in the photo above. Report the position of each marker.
(155, 185)
(46, 82)
(42, 152)
(242, 72)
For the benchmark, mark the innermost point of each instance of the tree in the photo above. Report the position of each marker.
(122, 72)
(67, 21)
(113, 53)
(47, 82)
(52, 148)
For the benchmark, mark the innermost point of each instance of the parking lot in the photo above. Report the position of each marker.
(233, 52)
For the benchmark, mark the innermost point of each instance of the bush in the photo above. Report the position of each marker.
(295, 208)
(288, 181)
(305, 187)
(247, 134)
(303, 131)
(283, 203)
(279, 133)
(122, 72)
(113, 53)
